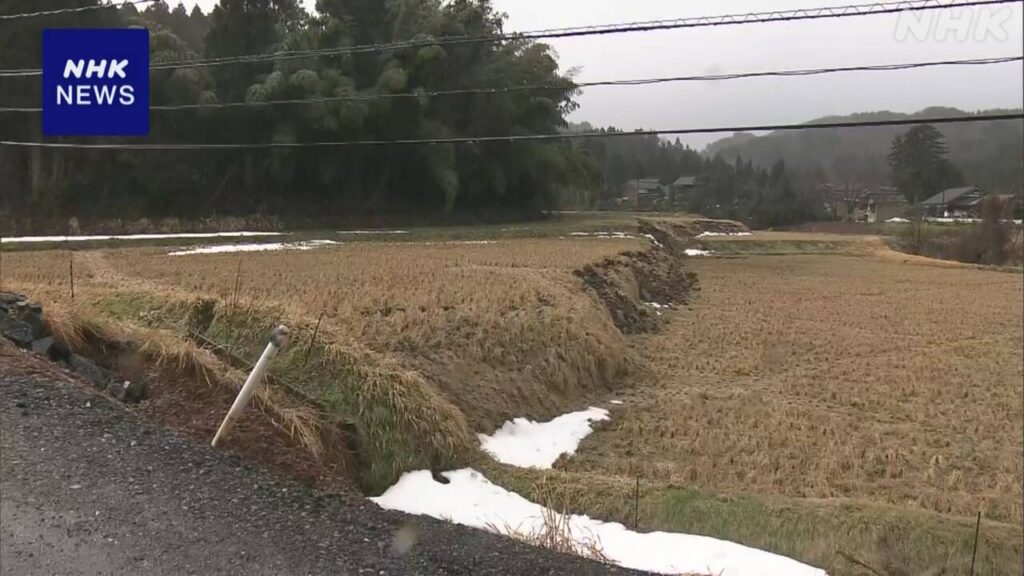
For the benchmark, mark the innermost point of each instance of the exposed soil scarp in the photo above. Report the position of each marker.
(625, 283)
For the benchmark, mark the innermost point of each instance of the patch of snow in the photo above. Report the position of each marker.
(657, 306)
(711, 234)
(373, 232)
(27, 239)
(954, 220)
(897, 220)
(451, 243)
(652, 239)
(225, 248)
(615, 402)
(528, 444)
(471, 500)
(696, 252)
(965, 221)
(601, 235)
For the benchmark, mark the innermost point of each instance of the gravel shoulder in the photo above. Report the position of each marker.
(88, 487)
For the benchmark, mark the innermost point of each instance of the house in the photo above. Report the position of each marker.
(963, 202)
(682, 190)
(644, 193)
(879, 204)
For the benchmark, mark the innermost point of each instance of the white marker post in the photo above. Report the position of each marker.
(278, 341)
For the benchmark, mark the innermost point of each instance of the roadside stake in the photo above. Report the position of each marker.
(278, 340)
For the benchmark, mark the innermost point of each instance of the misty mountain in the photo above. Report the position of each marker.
(989, 154)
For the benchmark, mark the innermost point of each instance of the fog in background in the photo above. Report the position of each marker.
(862, 40)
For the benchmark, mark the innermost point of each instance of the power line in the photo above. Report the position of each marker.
(876, 8)
(530, 137)
(70, 10)
(577, 85)
(604, 29)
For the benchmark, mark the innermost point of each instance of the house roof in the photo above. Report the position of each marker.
(884, 196)
(645, 184)
(685, 181)
(950, 195)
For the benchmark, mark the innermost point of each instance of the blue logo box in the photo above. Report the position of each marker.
(96, 82)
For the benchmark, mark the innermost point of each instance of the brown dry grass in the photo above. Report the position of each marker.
(81, 329)
(556, 531)
(486, 323)
(854, 396)
(834, 376)
(420, 345)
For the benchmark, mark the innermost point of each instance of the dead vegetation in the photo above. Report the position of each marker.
(501, 329)
(870, 399)
(828, 377)
(417, 345)
(191, 388)
(555, 530)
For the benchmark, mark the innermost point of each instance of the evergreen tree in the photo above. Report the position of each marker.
(919, 165)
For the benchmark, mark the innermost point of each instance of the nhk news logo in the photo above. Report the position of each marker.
(96, 82)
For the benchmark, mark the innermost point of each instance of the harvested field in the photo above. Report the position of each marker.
(820, 376)
(821, 397)
(834, 378)
(485, 322)
(420, 344)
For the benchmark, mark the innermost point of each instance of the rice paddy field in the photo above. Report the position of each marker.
(882, 389)
(821, 377)
(821, 396)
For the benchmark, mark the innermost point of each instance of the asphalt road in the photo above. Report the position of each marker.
(87, 487)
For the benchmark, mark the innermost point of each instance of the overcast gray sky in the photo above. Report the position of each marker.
(990, 31)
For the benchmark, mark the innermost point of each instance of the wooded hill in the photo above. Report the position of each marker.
(988, 154)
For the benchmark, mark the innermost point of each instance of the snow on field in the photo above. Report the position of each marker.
(471, 500)
(451, 243)
(528, 444)
(897, 220)
(711, 234)
(659, 307)
(225, 248)
(964, 221)
(697, 252)
(27, 239)
(373, 232)
(601, 235)
(652, 239)
(615, 402)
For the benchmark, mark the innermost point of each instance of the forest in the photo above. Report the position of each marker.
(386, 95)
(514, 179)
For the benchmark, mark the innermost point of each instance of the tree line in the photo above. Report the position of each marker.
(508, 179)
(766, 181)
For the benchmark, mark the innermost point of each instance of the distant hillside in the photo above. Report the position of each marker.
(988, 153)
